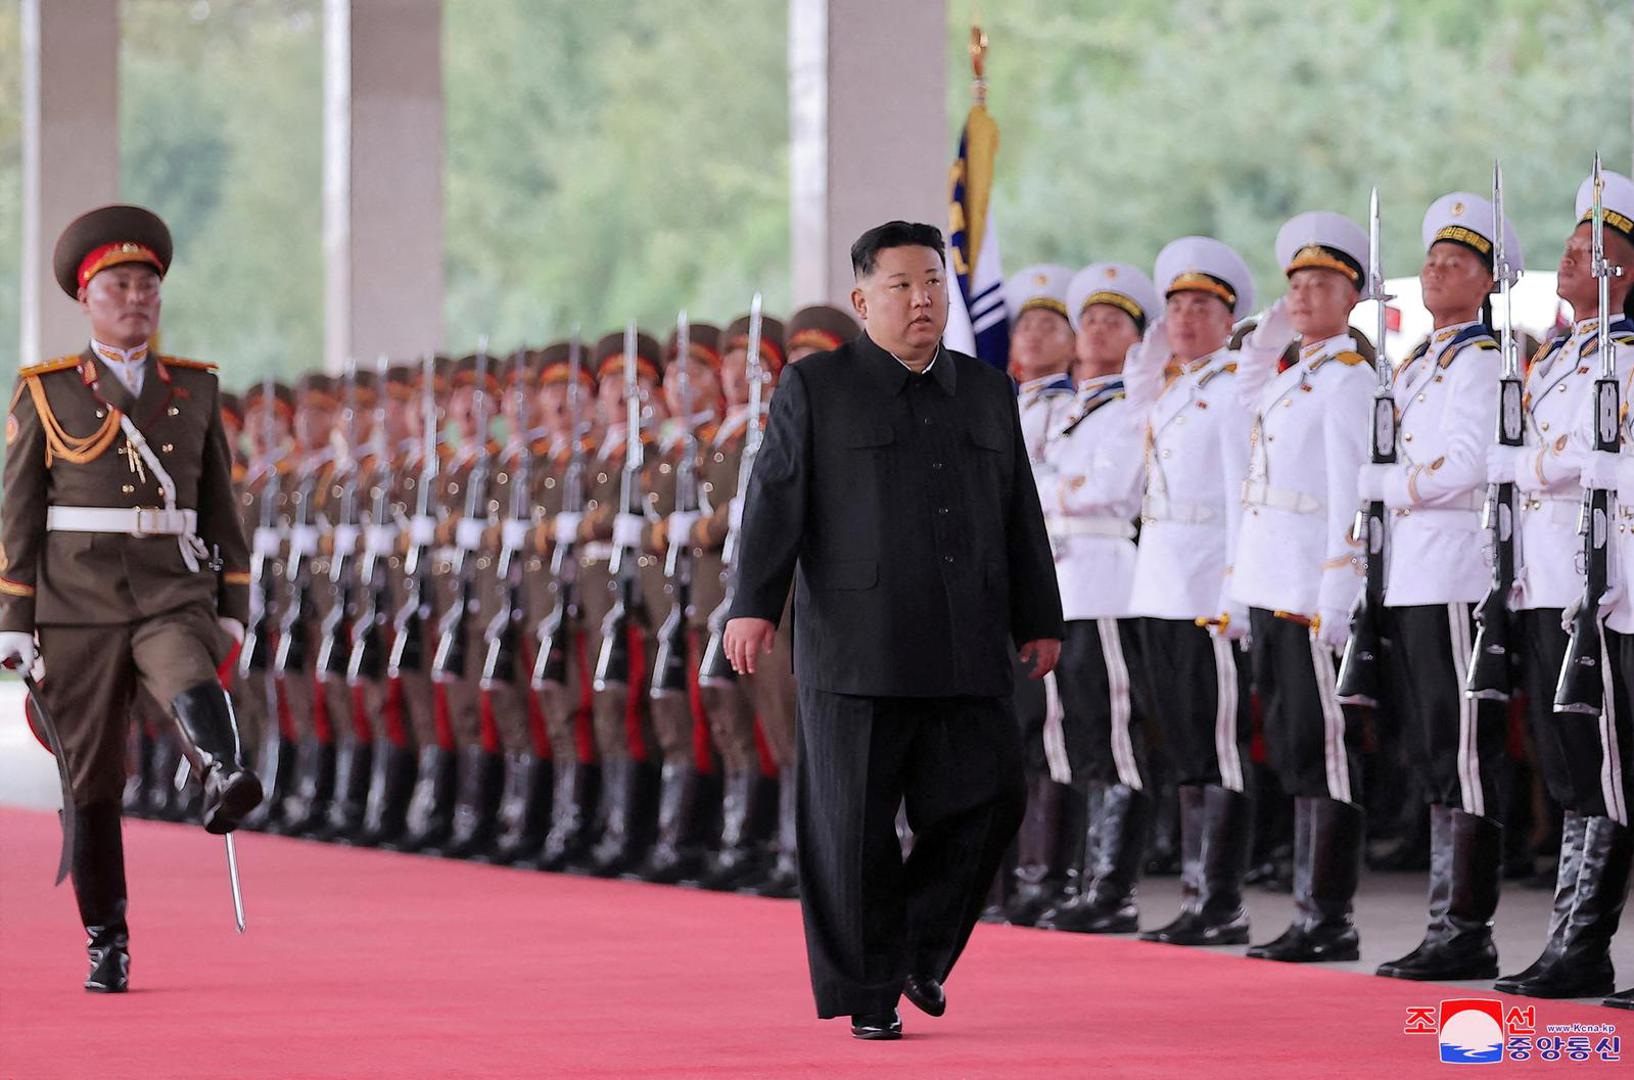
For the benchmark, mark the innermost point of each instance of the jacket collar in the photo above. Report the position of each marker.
(892, 375)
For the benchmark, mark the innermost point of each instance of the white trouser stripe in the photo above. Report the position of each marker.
(1117, 678)
(1333, 722)
(1472, 797)
(1225, 714)
(1055, 734)
(1611, 764)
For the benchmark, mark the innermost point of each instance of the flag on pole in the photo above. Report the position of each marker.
(976, 308)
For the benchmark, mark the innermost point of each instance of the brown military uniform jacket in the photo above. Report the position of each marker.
(64, 447)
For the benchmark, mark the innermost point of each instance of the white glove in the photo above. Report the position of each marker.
(1608, 600)
(303, 540)
(627, 530)
(346, 538)
(1600, 470)
(513, 534)
(1153, 350)
(1234, 621)
(1333, 629)
(232, 628)
(1370, 481)
(679, 530)
(1504, 463)
(1276, 331)
(17, 651)
(268, 542)
(468, 533)
(422, 530)
(566, 529)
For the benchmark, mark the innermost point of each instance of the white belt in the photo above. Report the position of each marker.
(1061, 527)
(130, 520)
(1559, 510)
(596, 551)
(1259, 493)
(1447, 514)
(1162, 508)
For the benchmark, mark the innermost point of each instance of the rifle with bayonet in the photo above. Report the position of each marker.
(1490, 677)
(557, 630)
(715, 669)
(335, 638)
(369, 636)
(449, 664)
(1581, 688)
(669, 671)
(509, 624)
(1361, 666)
(258, 631)
(295, 629)
(613, 663)
(411, 629)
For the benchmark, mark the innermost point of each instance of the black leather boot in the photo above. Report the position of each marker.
(1165, 852)
(205, 715)
(354, 768)
(576, 791)
(1036, 888)
(1573, 828)
(524, 809)
(1326, 872)
(1191, 804)
(1465, 863)
(98, 870)
(307, 806)
(430, 816)
(675, 855)
(1217, 915)
(391, 786)
(164, 801)
(139, 753)
(1580, 966)
(476, 809)
(1622, 1000)
(741, 858)
(629, 811)
(783, 883)
(1106, 904)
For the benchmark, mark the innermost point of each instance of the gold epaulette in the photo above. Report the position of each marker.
(1483, 344)
(1224, 369)
(61, 363)
(176, 361)
(1347, 358)
(1622, 339)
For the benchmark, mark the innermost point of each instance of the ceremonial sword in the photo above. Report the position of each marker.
(47, 730)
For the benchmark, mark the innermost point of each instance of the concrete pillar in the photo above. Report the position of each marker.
(70, 152)
(868, 134)
(383, 178)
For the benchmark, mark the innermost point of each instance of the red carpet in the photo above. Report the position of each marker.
(364, 964)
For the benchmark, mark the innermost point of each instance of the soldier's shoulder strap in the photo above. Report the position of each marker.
(59, 442)
(1622, 331)
(61, 363)
(1476, 337)
(1349, 358)
(1214, 373)
(181, 362)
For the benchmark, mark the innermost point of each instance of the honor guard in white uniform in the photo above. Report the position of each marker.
(1089, 486)
(1446, 403)
(1584, 756)
(1182, 384)
(1042, 350)
(1298, 568)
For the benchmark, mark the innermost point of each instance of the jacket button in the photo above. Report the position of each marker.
(173, 411)
(947, 559)
(936, 464)
(127, 489)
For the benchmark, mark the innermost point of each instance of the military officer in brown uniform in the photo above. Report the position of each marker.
(689, 790)
(561, 492)
(625, 741)
(749, 796)
(123, 556)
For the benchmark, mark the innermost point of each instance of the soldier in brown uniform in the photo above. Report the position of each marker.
(749, 797)
(463, 566)
(123, 556)
(623, 726)
(511, 601)
(306, 569)
(561, 492)
(263, 501)
(380, 586)
(689, 784)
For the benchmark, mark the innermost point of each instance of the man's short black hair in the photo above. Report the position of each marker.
(892, 234)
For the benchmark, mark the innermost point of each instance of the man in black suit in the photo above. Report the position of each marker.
(893, 490)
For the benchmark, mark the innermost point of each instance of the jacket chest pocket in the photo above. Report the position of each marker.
(987, 436)
(867, 435)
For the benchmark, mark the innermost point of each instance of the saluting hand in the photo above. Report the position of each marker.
(1041, 656)
(745, 638)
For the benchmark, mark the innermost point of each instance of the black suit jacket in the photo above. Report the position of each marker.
(904, 510)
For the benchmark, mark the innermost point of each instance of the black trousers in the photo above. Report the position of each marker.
(871, 917)
(1313, 742)
(1103, 719)
(1199, 700)
(1570, 746)
(1459, 741)
(1597, 753)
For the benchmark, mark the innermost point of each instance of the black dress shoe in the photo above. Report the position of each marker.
(110, 960)
(1624, 1000)
(926, 994)
(878, 1027)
